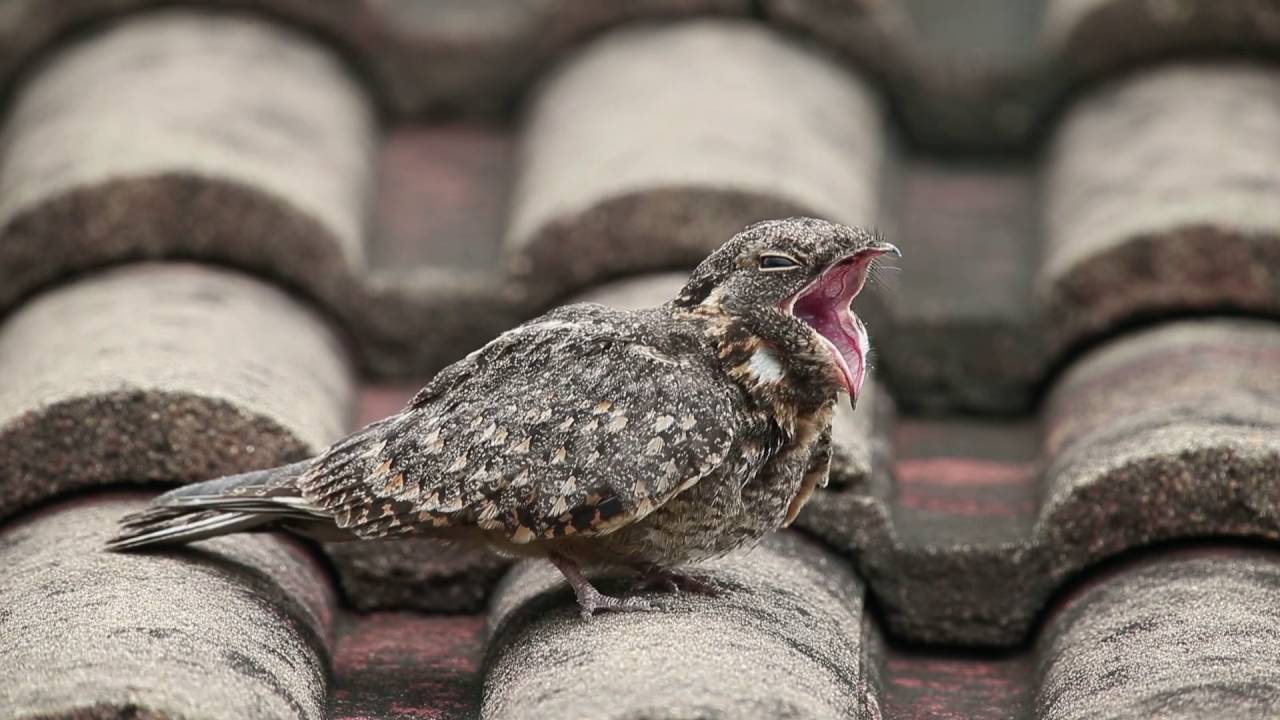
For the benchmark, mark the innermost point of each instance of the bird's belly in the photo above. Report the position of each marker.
(707, 521)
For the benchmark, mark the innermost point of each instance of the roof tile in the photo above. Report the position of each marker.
(163, 372)
(416, 574)
(683, 123)
(235, 628)
(789, 611)
(954, 320)
(1170, 432)
(1159, 191)
(247, 136)
(1190, 635)
(1092, 38)
(188, 134)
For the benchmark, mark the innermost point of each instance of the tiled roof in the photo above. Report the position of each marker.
(229, 234)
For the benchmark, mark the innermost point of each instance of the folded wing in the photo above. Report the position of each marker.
(574, 424)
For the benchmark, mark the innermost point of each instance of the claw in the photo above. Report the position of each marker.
(591, 600)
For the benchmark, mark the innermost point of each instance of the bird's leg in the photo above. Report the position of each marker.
(655, 577)
(591, 600)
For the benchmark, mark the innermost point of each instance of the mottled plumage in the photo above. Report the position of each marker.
(646, 439)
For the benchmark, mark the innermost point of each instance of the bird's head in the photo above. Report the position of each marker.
(791, 283)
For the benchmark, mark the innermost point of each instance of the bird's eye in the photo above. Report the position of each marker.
(778, 262)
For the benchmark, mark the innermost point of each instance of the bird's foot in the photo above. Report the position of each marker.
(591, 600)
(674, 581)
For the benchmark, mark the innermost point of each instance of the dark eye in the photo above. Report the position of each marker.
(778, 262)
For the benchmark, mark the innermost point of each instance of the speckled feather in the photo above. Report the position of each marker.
(577, 423)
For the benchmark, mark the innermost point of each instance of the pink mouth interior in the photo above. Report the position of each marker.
(824, 306)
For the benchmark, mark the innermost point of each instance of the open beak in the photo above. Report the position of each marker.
(825, 305)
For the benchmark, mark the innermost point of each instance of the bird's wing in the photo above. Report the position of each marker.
(556, 428)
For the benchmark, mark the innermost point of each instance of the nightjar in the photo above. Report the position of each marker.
(590, 436)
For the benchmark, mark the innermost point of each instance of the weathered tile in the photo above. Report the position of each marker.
(231, 628)
(1182, 635)
(1160, 198)
(655, 144)
(954, 319)
(163, 372)
(1093, 38)
(938, 523)
(787, 638)
(415, 321)
(960, 76)
(636, 292)
(415, 574)
(1170, 432)
(484, 54)
(188, 134)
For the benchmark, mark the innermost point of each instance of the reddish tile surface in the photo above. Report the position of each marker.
(391, 666)
(925, 686)
(966, 481)
(442, 196)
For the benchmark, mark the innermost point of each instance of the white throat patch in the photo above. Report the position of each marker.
(764, 365)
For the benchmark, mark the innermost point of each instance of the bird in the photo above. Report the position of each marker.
(645, 440)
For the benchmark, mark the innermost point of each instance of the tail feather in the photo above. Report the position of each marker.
(258, 500)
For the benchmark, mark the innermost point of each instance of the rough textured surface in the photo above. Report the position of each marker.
(1173, 432)
(636, 292)
(416, 321)
(941, 498)
(442, 197)
(482, 53)
(928, 685)
(420, 574)
(1091, 37)
(1013, 481)
(187, 134)
(788, 611)
(958, 340)
(683, 123)
(1160, 189)
(232, 628)
(217, 373)
(960, 75)
(1194, 635)
(486, 53)
(962, 78)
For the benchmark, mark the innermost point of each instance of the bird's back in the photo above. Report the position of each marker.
(576, 423)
